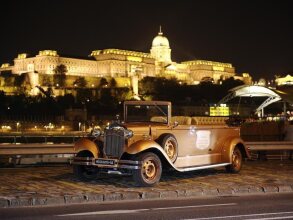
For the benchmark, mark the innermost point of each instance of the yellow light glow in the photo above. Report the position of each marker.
(209, 63)
(218, 68)
(121, 52)
(219, 111)
(5, 65)
(48, 53)
(21, 56)
(135, 59)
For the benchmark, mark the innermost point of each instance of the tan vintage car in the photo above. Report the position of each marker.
(150, 139)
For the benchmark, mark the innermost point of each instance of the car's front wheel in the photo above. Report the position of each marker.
(150, 170)
(85, 172)
(236, 162)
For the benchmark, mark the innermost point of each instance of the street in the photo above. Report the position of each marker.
(269, 206)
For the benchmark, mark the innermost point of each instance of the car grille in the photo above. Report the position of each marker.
(114, 142)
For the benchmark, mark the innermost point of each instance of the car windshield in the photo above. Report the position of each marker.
(147, 113)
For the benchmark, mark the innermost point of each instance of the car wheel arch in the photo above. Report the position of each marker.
(144, 146)
(86, 145)
(161, 141)
(162, 157)
(229, 145)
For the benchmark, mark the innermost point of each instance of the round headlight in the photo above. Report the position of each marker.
(96, 132)
(128, 133)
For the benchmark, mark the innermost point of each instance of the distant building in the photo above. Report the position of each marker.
(287, 80)
(125, 63)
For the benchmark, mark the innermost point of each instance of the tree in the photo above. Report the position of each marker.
(207, 80)
(113, 83)
(231, 83)
(21, 82)
(103, 82)
(8, 78)
(60, 75)
(80, 82)
(47, 80)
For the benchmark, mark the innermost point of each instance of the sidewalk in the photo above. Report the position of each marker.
(33, 186)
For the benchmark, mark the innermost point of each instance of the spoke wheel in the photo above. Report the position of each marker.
(236, 164)
(150, 171)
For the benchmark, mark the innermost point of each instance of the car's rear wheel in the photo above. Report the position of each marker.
(236, 162)
(170, 146)
(150, 170)
(84, 172)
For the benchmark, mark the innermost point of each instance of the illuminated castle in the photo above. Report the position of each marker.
(123, 63)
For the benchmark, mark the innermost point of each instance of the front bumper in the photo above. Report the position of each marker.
(107, 163)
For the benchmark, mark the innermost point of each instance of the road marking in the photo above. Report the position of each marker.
(109, 212)
(273, 218)
(129, 211)
(194, 206)
(250, 215)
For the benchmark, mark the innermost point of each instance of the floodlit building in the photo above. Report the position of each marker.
(124, 63)
(287, 80)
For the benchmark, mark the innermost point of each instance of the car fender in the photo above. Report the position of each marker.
(228, 148)
(144, 145)
(84, 144)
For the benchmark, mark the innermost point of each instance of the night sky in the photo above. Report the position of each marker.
(255, 36)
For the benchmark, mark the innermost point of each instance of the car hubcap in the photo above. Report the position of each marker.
(170, 149)
(236, 160)
(149, 169)
(88, 171)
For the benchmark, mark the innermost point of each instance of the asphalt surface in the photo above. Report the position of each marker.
(266, 206)
(56, 185)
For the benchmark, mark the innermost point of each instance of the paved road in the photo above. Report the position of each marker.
(266, 206)
(32, 186)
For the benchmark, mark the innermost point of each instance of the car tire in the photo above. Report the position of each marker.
(150, 170)
(236, 161)
(85, 173)
(169, 143)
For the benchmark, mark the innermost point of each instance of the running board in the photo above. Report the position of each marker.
(182, 169)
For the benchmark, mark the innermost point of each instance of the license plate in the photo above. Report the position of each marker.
(106, 162)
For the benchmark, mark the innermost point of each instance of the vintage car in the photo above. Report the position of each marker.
(150, 139)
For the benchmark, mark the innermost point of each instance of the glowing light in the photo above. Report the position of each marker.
(135, 59)
(120, 52)
(221, 110)
(5, 65)
(218, 68)
(6, 127)
(209, 63)
(48, 53)
(21, 56)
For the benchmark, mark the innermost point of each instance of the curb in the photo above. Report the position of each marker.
(6, 202)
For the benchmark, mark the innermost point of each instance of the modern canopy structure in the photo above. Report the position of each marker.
(258, 91)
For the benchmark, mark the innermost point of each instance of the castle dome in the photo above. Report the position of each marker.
(160, 40)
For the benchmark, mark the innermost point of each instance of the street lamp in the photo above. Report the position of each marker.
(17, 126)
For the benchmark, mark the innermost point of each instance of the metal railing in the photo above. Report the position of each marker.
(49, 137)
(36, 149)
(271, 149)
